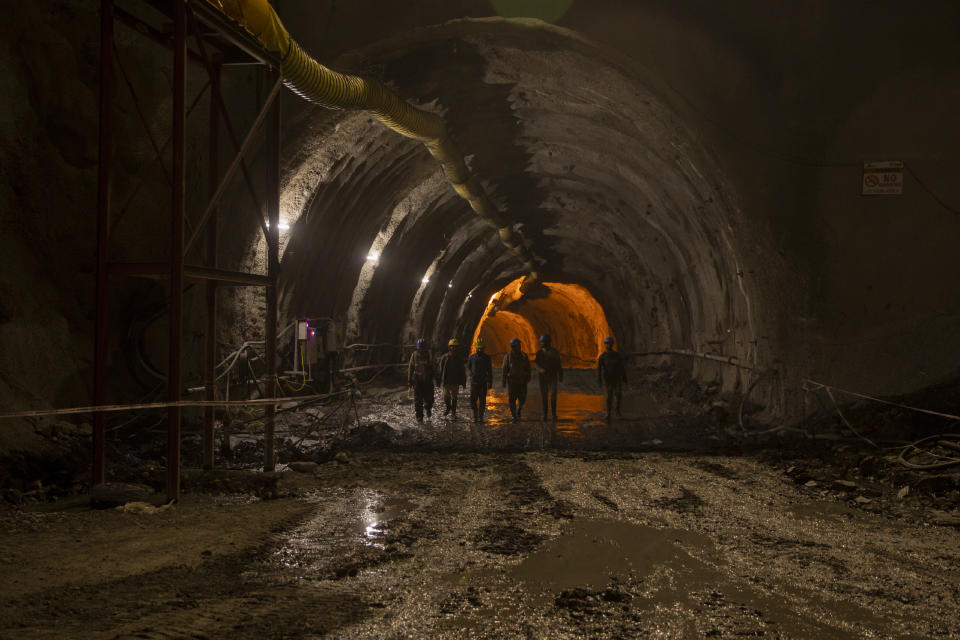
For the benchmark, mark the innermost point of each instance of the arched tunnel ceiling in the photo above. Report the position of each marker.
(610, 189)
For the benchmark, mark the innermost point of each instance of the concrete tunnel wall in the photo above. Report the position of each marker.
(760, 113)
(613, 196)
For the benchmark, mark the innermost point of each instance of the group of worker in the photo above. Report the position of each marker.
(450, 373)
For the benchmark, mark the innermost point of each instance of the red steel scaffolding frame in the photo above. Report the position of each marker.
(232, 46)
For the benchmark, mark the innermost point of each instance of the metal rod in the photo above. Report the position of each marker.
(235, 35)
(177, 215)
(237, 160)
(196, 272)
(100, 351)
(226, 118)
(273, 268)
(145, 169)
(731, 360)
(141, 115)
(210, 346)
(222, 275)
(164, 405)
(151, 33)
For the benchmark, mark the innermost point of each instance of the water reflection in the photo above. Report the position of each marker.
(573, 409)
(581, 421)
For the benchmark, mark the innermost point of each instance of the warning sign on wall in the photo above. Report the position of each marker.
(883, 178)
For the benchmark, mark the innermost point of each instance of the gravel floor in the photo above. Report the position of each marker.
(504, 530)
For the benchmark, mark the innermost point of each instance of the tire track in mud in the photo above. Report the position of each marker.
(523, 497)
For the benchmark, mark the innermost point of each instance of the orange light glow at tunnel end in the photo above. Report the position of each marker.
(574, 319)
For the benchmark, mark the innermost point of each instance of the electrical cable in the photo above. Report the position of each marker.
(847, 422)
(933, 195)
(943, 439)
(818, 385)
(303, 370)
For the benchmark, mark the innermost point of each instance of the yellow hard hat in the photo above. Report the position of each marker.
(453, 343)
(479, 343)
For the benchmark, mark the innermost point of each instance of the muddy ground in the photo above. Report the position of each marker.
(658, 524)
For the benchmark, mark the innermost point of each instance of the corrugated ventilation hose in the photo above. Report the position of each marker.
(325, 87)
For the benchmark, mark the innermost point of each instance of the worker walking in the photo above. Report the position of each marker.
(613, 374)
(549, 374)
(516, 375)
(452, 376)
(420, 374)
(480, 367)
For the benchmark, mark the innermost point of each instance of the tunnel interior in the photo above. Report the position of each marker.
(568, 313)
(627, 213)
(690, 177)
(693, 192)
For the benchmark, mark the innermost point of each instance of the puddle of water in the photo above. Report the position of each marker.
(574, 410)
(377, 514)
(365, 521)
(593, 551)
(594, 554)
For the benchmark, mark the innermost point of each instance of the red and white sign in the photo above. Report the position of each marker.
(883, 178)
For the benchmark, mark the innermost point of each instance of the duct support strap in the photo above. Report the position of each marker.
(314, 82)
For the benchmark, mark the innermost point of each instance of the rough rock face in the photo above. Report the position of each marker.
(47, 171)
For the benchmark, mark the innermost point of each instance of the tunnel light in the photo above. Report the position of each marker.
(283, 226)
(425, 280)
(373, 256)
(450, 285)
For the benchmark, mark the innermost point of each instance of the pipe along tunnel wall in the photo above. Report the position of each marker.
(614, 191)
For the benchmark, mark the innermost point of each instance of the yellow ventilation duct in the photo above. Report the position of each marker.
(325, 87)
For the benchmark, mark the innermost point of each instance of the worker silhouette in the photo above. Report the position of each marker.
(516, 375)
(613, 374)
(451, 376)
(549, 374)
(420, 374)
(480, 367)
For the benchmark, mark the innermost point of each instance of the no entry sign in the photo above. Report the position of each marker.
(883, 178)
